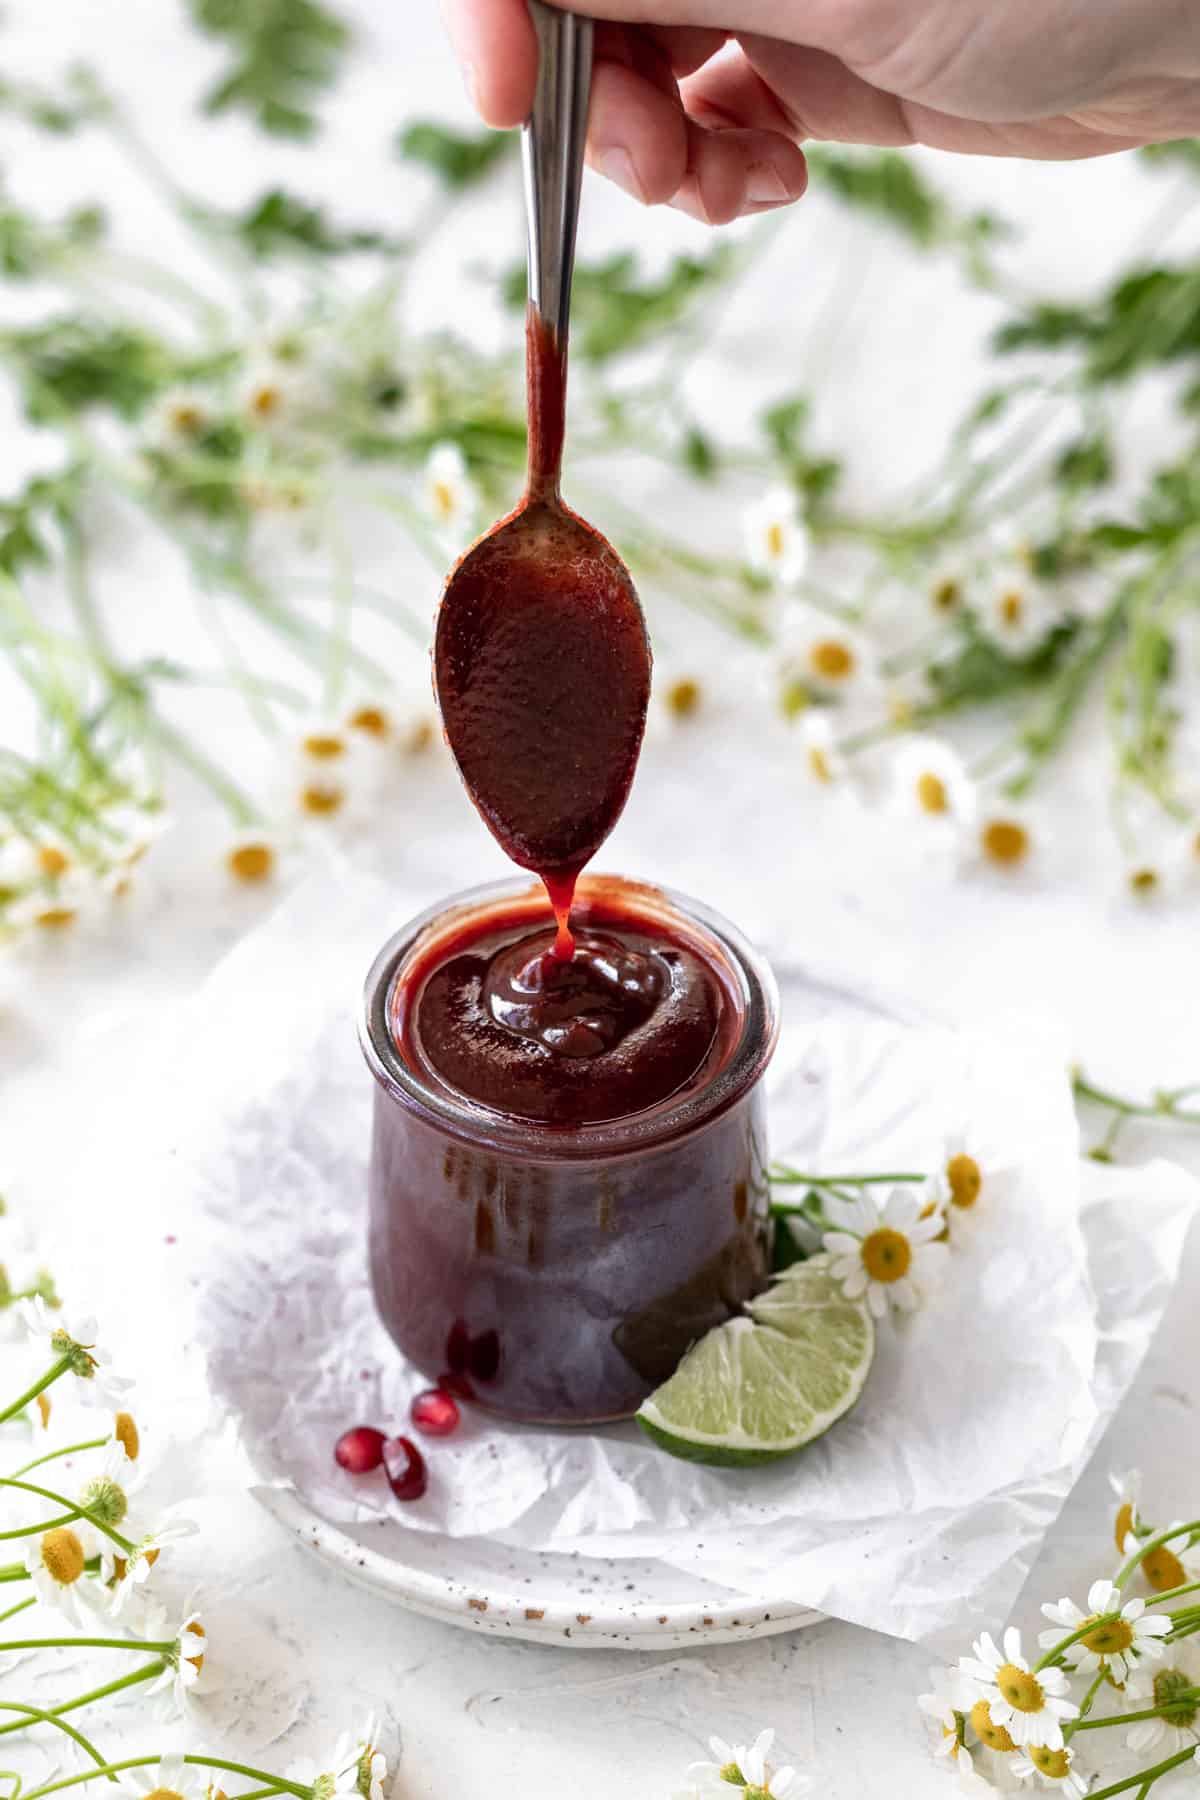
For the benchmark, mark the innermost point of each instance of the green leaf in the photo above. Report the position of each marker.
(699, 455)
(280, 224)
(72, 363)
(1180, 152)
(885, 183)
(980, 671)
(1087, 463)
(458, 159)
(285, 53)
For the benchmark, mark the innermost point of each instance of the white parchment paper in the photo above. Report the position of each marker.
(918, 1513)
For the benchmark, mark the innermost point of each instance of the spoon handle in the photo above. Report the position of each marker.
(552, 150)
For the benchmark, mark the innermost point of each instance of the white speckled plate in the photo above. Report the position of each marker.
(589, 1603)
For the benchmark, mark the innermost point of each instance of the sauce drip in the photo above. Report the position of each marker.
(542, 666)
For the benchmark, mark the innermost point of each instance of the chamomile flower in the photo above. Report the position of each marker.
(123, 1575)
(745, 1767)
(54, 906)
(946, 590)
(449, 495)
(252, 857)
(1006, 835)
(180, 416)
(372, 1769)
(968, 1178)
(273, 395)
(1055, 1766)
(820, 758)
(777, 543)
(1169, 1565)
(930, 785)
(947, 1703)
(334, 1778)
(1013, 609)
(1175, 1678)
(75, 1342)
(820, 658)
(184, 1661)
(105, 1493)
(1127, 1486)
(889, 1256)
(1120, 1635)
(56, 1563)
(1031, 1707)
(170, 1779)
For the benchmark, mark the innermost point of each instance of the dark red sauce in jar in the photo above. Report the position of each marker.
(568, 1168)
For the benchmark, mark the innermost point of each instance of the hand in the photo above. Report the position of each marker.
(701, 103)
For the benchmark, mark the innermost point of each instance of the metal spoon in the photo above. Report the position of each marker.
(541, 660)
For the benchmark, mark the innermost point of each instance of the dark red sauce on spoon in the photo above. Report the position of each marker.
(542, 665)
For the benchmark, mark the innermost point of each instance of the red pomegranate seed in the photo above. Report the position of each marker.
(360, 1450)
(435, 1412)
(404, 1467)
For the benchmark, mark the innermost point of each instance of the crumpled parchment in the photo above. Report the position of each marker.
(917, 1515)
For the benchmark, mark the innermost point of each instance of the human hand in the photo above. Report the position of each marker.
(702, 103)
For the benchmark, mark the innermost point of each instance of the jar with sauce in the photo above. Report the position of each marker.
(568, 1166)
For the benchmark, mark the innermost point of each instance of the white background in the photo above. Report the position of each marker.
(479, 1717)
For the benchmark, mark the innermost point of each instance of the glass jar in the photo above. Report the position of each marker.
(557, 1274)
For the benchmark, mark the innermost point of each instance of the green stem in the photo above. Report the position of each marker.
(1145, 1778)
(1162, 1107)
(277, 1783)
(1153, 1543)
(48, 1718)
(146, 1673)
(1185, 1702)
(67, 1450)
(39, 1387)
(89, 1643)
(81, 1512)
(783, 1176)
(20, 1607)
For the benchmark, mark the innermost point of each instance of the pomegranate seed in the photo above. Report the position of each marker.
(435, 1412)
(458, 1345)
(360, 1450)
(404, 1467)
(484, 1358)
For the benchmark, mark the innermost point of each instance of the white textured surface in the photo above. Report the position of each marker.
(300, 1649)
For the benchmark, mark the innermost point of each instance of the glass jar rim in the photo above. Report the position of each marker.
(671, 1119)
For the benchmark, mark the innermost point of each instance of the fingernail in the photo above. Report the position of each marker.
(617, 165)
(765, 186)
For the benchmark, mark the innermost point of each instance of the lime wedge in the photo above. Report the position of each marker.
(770, 1381)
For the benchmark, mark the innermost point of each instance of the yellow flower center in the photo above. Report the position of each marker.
(163, 1794)
(1123, 1524)
(442, 495)
(43, 1406)
(1111, 1637)
(1054, 1764)
(1020, 1688)
(1163, 1570)
(965, 1179)
(266, 400)
(931, 793)
(197, 1630)
(252, 862)
(1012, 607)
(53, 861)
(818, 764)
(324, 746)
(946, 596)
(62, 1556)
(321, 800)
(886, 1254)
(186, 418)
(832, 659)
(1172, 1687)
(56, 918)
(775, 540)
(372, 720)
(683, 697)
(1005, 842)
(126, 1433)
(1144, 880)
(995, 1736)
(419, 737)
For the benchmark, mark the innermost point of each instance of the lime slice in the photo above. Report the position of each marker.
(770, 1381)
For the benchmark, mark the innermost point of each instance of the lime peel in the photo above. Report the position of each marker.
(766, 1383)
